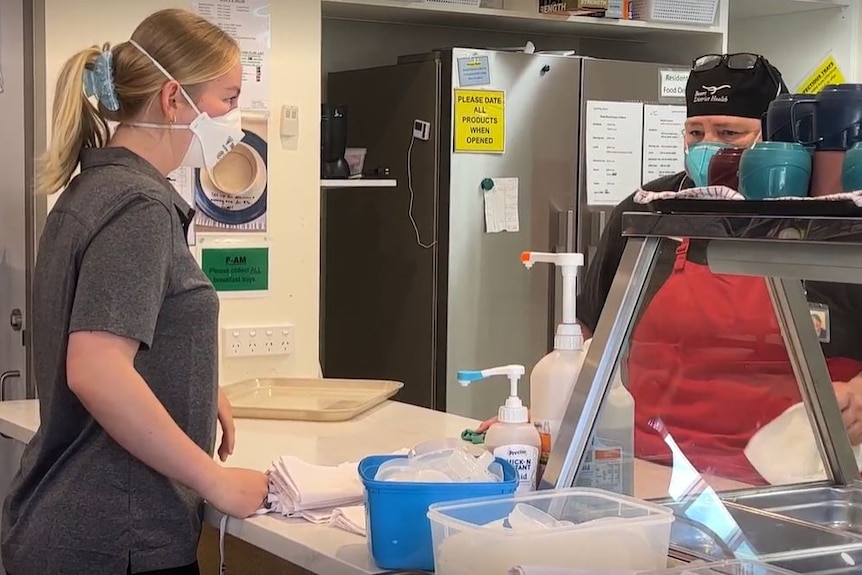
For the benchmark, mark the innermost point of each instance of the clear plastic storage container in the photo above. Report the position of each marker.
(576, 528)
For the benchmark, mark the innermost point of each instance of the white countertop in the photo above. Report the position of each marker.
(317, 548)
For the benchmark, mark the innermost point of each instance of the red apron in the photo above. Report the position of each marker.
(708, 360)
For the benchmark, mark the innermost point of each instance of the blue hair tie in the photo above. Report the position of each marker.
(99, 82)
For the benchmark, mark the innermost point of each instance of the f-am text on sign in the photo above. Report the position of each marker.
(237, 269)
(480, 121)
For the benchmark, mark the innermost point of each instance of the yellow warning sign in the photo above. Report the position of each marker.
(825, 74)
(480, 121)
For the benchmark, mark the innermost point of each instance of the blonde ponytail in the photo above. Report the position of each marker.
(77, 124)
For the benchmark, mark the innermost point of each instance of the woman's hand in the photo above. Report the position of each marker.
(228, 431)
(849, 396)
(483, 427)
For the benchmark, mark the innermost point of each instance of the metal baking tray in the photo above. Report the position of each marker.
(838, 508)
(307, 399)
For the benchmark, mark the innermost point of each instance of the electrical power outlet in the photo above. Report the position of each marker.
(257, 341)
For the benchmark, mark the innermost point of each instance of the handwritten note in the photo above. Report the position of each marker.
(501, 206)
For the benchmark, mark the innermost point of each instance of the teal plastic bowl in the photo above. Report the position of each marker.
(851, 171)
(775, 170)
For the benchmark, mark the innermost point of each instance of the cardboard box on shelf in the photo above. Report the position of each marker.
(620, 9)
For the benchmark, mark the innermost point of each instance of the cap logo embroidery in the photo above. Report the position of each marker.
(710, 94)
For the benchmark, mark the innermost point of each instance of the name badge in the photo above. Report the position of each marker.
(820, 319)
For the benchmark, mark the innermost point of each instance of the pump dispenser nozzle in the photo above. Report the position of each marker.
(569, 335)
(513, 411)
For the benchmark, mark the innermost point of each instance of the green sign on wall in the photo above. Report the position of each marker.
(236, 269)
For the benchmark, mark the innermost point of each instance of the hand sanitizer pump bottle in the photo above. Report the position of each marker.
(609, 461)
(513, 437)
(554, 376)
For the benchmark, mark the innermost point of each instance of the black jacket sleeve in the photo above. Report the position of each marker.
(602, 269)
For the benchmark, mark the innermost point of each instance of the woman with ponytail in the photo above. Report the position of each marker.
(125, 323)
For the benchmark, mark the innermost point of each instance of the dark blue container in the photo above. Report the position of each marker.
(837, 117)
(780, 115)
(397, 526)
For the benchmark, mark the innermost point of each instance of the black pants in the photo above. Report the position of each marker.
(187, 570)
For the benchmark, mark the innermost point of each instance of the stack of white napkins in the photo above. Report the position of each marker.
(320, 494)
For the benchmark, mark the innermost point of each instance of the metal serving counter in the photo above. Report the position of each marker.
(812, 526)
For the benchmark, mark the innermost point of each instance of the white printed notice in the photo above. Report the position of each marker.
(248, 23)
(614, 139)
(663, 141)
(501, 206)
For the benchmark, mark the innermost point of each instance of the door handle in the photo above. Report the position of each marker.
(4, 377)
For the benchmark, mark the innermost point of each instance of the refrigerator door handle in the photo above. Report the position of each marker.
(598, 221)
(4, 378)
(566, 231)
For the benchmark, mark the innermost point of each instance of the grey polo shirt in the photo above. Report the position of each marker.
(113, 257)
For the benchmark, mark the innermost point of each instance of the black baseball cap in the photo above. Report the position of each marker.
(739, 85)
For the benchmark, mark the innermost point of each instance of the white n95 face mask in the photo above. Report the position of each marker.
(212, 138)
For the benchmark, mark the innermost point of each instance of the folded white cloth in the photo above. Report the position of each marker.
(725, 193)
(320, 494)
(785, 450)
(539, 570)
(297, 486)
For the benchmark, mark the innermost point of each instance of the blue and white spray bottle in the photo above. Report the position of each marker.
(513, 437)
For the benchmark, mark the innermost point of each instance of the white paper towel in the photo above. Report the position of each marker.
(785, 450)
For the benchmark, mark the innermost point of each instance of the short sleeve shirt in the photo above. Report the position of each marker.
(114, 258)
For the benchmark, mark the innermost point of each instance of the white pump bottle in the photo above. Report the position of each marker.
(553, 377)
(513, 438)
(609, 460)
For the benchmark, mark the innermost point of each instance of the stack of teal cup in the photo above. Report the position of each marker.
(775, 170)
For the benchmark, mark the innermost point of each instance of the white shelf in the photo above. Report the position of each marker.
(744, 9)
(358, 183)
(456, 16)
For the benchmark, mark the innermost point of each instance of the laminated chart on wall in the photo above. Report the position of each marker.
(827, 72)
(663, 141)
(233, 198)
(614, 147)
(480, 121)
(248, 23)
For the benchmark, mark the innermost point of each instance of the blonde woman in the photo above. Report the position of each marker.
(125, 323)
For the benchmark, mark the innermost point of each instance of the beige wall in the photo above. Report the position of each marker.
(294, 193)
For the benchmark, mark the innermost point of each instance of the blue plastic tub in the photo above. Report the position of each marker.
(397, 527)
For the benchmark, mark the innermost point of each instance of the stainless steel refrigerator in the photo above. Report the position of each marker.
(417, 303)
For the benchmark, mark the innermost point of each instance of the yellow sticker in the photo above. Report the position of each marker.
(480, 121)
(825, 74)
